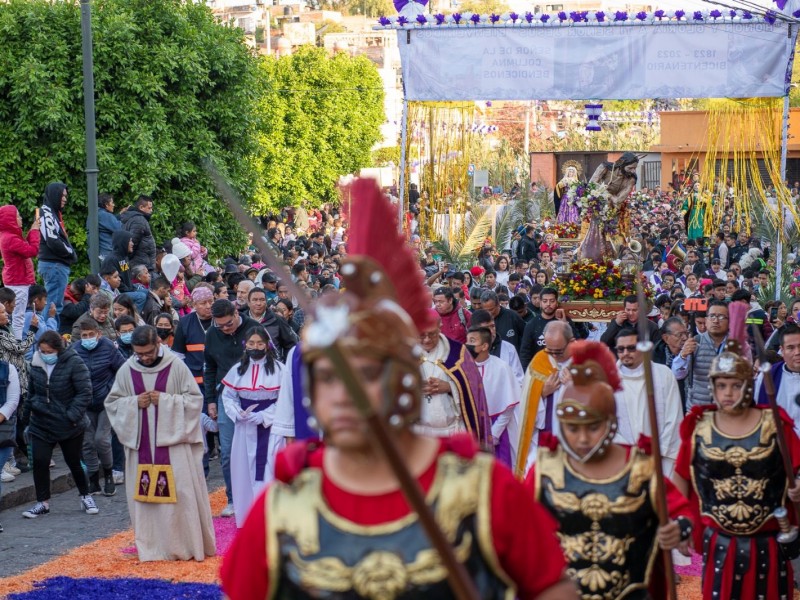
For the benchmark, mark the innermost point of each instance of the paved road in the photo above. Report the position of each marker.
(27, 543)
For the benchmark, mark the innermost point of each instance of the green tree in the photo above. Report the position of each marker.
(173, 86)
(483, 7)
(370, 8)
(383, 156)
(319, 118)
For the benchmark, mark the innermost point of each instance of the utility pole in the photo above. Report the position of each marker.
(528, 131)
(91, 146)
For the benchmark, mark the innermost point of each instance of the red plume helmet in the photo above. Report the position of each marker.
(375, 233)
(589, 397)
(384, 301)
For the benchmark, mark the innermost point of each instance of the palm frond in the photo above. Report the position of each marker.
(461, 254)
(448, 253)
(507, 222)
(477, 226)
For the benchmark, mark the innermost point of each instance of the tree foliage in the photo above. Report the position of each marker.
(319, 118)
(172, 87)
(483, 6)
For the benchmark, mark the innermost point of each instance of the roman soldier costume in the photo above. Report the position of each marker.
(607, 528)
(307, 537)
(737, 483)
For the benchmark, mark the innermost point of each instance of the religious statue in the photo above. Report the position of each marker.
(567, 211)
(619, 177)
(694, 213)
(619, 180)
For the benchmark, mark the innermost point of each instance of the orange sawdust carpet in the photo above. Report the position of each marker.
(109, 558)
(114, 558)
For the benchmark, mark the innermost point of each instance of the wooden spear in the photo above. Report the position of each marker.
(645, 346)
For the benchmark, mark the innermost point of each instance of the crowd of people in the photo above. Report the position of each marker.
(141, 379)
(64, 342)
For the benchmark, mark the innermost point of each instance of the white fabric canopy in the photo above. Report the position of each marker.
(632, 60)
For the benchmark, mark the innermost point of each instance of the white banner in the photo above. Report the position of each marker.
(603, 62)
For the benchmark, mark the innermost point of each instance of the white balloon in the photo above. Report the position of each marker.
(170, 265)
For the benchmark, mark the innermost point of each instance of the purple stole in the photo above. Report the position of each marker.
(776, 372)
(468, 378)
(301, 429)
(154, 477)
(502, 451)
(262, 434)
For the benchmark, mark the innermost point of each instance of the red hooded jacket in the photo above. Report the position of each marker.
(16, 251)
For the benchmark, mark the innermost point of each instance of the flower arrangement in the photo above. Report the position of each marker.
(593, 200)
(619, 17)
(565, 230)
(590, 280)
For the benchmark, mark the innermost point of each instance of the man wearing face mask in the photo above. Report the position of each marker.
(103, 360)
(542, 388)
(125, 326)
(225, 342)
(155, 407)
(502, 394)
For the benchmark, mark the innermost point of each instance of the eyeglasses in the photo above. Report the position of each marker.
(153, 351)
(228, 325)
(429, 335)
(717, 317)
(623, 349)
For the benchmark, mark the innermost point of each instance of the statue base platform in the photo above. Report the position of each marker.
(592, 310)
(568, 244)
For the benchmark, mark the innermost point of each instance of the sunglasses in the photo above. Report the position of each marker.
(623, 349)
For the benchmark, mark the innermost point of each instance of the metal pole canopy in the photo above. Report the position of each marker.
(91, 146)
(784, 154)
(403, 183)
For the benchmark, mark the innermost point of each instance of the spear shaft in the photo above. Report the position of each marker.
(645, 346)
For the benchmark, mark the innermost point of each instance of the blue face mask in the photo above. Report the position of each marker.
(49, 359)
(126, 338)
(89, 344)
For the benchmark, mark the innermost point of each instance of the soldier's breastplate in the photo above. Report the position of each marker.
(739, 481)
(607, 528)
(314, 553)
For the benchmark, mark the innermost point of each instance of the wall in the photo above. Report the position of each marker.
(543, 168)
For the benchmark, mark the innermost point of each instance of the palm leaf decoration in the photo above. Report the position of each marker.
(766, 229)
(461, 255)
(520, 211)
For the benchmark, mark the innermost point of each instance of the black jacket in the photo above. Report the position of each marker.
(151, 309)
(533, 337)
(528, 249)
(118, 259)
(57, 404)
(144, 244)
(55, 246)
(222, 351)
(280, 332)
(103, 363)
(510, 327)
(72, 312)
